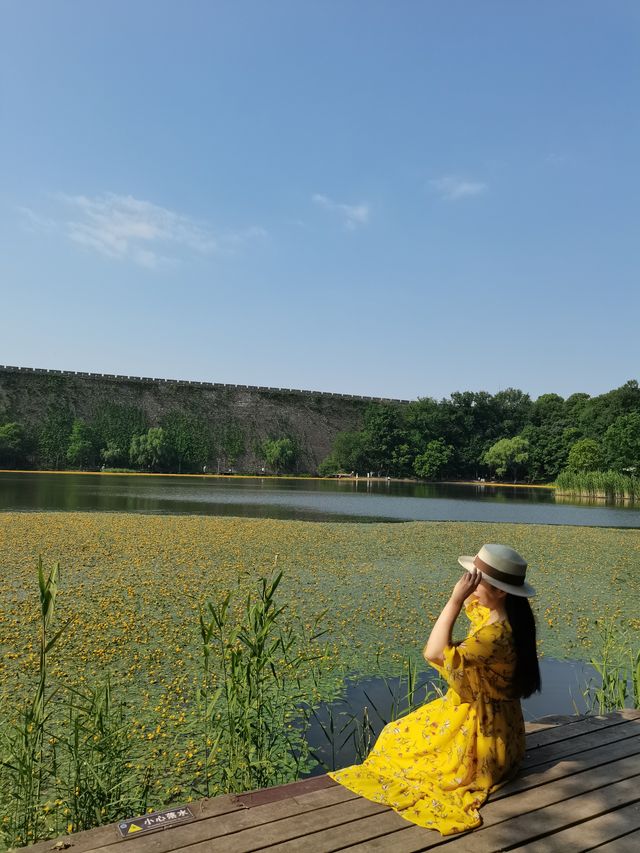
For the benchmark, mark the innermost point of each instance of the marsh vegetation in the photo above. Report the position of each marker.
(145, 677)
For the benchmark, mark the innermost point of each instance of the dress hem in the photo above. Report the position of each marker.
(399, 811)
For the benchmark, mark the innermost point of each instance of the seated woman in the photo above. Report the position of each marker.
(437, 765)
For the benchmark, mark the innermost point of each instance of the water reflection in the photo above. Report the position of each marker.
(563, 683)
(312, 500)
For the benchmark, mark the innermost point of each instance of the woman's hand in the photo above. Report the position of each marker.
(440, 636)
(465, 586)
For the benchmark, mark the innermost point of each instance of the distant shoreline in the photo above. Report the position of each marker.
(497, 483)
(348, 479)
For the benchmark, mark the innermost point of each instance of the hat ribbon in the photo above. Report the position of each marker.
(496, 574)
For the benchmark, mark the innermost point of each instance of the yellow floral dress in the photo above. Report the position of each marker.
(438, 765)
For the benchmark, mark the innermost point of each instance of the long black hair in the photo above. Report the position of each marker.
(523, 629)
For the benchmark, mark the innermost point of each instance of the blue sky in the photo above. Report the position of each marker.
(390, 198)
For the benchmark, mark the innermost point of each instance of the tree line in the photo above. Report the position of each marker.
(120, 437)
(475, 435)
(469, 435)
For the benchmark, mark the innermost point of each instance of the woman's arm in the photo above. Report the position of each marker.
(440, 636)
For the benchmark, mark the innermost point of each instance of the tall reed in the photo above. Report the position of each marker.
(67, 764)
(254, 706)
(74, 763)
(360, 728)
(27, 761)
(607, 485)
(99, 782)
(618, 669)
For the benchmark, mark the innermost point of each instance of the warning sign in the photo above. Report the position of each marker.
(155, 820)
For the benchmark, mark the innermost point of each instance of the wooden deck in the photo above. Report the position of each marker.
(578, 790)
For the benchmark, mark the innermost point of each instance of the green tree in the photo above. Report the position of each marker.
(575, 405)
(53, 436)
(348, 454)
(114, 426)
(423, 421)
(435, 457)
(508, 453)
(549, 447)
(402, 459)
(113, 455)
(473, 424)
(512, 407)
(622, 443)
(231, 442)
(81, 451)
(585, 455)
(381, 436)
(329, 467)
(278, 453)
(12, 445)
(189, 439)
(149, 450)
(547, 409)
(599, 413)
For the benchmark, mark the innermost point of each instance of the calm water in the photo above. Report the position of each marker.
(562, 684)
(311, 500)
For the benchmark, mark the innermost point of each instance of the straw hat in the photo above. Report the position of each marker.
(502, 567)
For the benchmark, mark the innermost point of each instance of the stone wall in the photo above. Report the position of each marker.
(311, 417)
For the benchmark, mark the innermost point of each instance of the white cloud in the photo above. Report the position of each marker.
(555, 159)
(127, 228)
(353, 215)
(32, 221)
(452, 188)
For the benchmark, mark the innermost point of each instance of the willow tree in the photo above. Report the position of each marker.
(507, 454)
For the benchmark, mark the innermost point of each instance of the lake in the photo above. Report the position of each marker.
(563, 686)
(302, 499)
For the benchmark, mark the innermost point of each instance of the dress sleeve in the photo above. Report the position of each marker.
(463, 665)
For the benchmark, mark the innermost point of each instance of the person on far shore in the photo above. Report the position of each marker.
(437, 765)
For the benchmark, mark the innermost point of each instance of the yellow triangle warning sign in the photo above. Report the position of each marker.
(134, 828)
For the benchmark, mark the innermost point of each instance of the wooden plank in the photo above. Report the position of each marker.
(577, 741)
(574, 763)
(551, 771)
(409, 840)
(211, 807)
(337, 837)
(382, 831)
(531, 726)
(299, 827)
(235, 822)
(552, 720)
(575, 745)
(188, 834)
(90, 839)
(558, 790)
(581, 726)
(282, 792)
(627, 844)
(563, 796)
(525, 828)
(590, 834)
